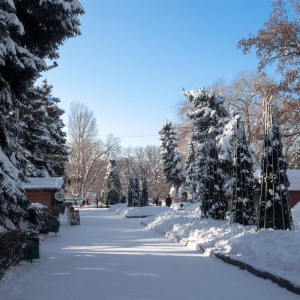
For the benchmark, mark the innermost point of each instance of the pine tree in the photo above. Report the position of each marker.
(144, 191)
(213, 202)
(238, 164)
(171, 159)
(44, 139)
(29, 33)
(36, 136)
(135, 190)
(130, 195)
(58, 152)
(275, 211)
(112, 184)
(190, 167)
(225, 146)
(47, 24)
(242, 199)
(13, 202)
(209, 116)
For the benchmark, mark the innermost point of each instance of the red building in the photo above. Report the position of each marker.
(294, 188)
(47, 191)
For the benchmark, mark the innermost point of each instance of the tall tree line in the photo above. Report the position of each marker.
(250, 94)
(221, 164)
(30, 32)
(247, 94)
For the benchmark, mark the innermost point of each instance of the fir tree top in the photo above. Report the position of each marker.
(171, 159)
(112, 175)
(209, 113)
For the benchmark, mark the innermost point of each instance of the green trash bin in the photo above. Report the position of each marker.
(181, 206)
(33, 250)
(55, 227)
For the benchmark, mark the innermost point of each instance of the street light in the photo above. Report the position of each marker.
(54, 65)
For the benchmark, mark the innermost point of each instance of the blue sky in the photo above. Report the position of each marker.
(134, 57)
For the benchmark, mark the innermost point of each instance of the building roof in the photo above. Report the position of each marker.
(44, 183)
(294, 179)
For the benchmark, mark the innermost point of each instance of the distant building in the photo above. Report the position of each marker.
(47, 191)
(293, 176)
(294, 188)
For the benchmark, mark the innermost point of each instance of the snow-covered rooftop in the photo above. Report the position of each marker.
(294, 178)
(45, 183)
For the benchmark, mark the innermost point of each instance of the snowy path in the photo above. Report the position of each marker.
(112, 258)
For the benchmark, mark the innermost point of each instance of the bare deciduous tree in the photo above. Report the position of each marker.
(248, 94)
(143, 161)
(89, 154)
(278, 43)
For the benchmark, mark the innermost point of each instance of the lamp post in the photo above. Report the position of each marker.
(54, 65)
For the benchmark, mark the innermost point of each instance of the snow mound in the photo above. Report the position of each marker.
(125, 211)
(38, 205)
(273, 251)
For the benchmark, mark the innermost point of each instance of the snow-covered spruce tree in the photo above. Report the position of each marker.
(144, 191)
(44, 138)
(238, 161)
(190, 166)
(13, 202)
(225, 151)
(112, 184)
(213, 201)
(57, 153)
(209, 116)
(135, 191)
(171, 159)
(29, 33)
(275, 211)
(243, 206)
(129, 194)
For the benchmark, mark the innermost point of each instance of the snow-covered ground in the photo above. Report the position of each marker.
(274, 251)
(111, 257)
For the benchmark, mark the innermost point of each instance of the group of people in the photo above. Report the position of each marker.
(168, 201)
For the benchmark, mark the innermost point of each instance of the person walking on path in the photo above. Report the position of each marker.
(168, 201)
